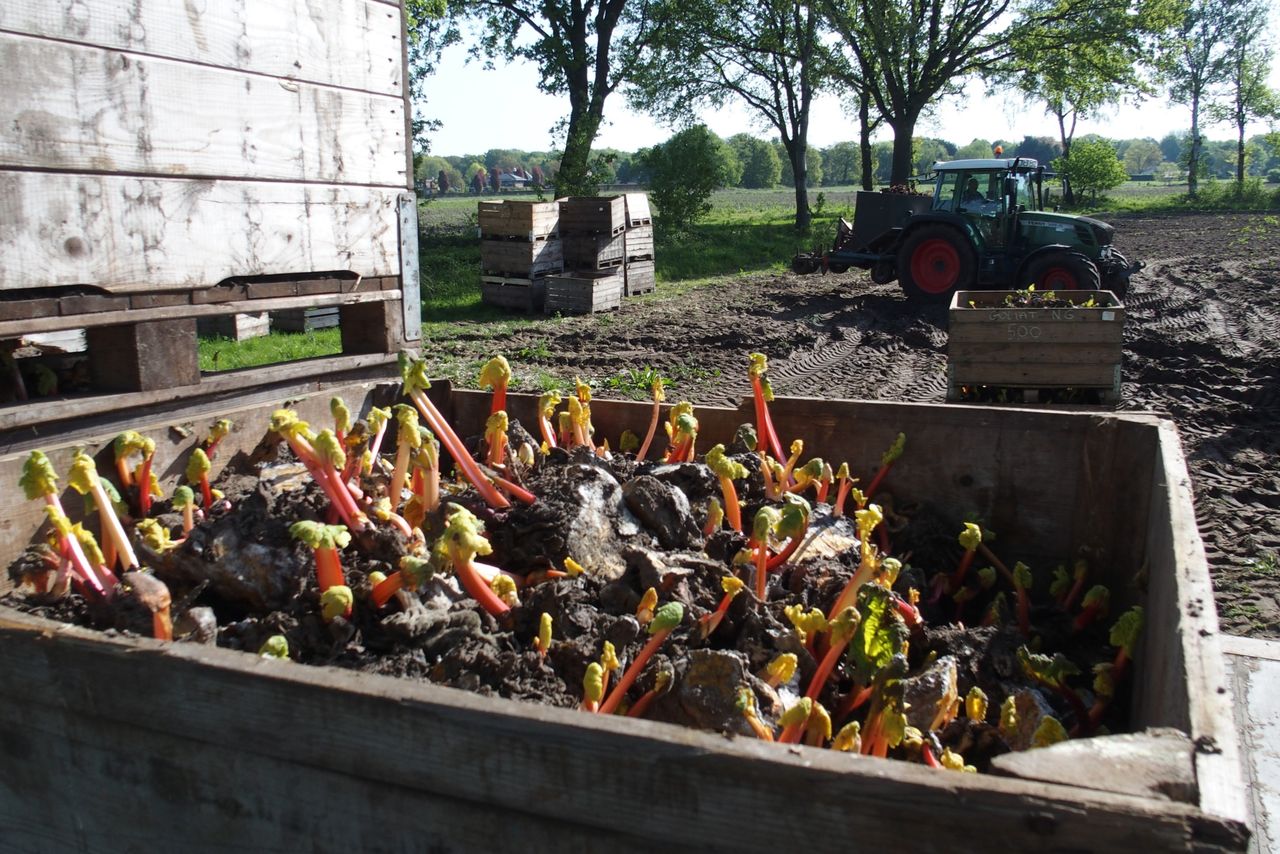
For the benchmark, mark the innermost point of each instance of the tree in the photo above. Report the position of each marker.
(812, 166)
(583, 50)
(442, 181)
(495, 179)
(1196, 60)
(929, 151)
(761, 168)
(478, 179)
(539, 180)
(1042, 149)
(975, 150)
(1077, 67)
(766, 54)
(1248, 65)
(1142, 157)
(1171, 147)
(1093, 167)
(841, 164)
(684, 171)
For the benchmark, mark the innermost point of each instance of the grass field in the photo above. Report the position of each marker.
(747, 231)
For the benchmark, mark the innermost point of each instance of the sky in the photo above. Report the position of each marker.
(502, 108)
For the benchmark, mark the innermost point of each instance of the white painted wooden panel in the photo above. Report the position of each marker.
(130, 234)
(350, 43)
(80, 108)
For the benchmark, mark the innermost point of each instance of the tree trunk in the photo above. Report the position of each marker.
(1068, 195)
(1193, 154)
(797, 150)
(1240, 153)
(903, 128)
(574, 177)
(864, 139)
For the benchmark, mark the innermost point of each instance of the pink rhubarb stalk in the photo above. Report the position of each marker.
(496, 374)
(886, 462)
(83, 478)
(658, 391)
(664, 622)
(462, 541)
(762, 394)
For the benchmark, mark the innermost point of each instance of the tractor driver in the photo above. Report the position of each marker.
(971, 193)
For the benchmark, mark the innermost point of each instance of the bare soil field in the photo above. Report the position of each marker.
(1201, 346)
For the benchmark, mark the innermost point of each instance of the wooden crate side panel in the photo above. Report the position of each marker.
(583, 295)
(85, 109)
(695, 787)
(354, 44)
(592, 251)
(639, 242)
(593, 214)
(1014, 373)
(640, 277)
(521, 257)
(1038, 353)
(135, 234)
(528, 297)
(1032, 330)
(637, 207)
(523, 220)
(1184, 684)
(190, 795)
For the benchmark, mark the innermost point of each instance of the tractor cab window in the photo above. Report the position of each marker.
(978, 193)
(1024, 197)
(946, 196)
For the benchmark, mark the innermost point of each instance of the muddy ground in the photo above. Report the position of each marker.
(1200, 346)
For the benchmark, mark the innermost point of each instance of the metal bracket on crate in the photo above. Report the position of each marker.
(411, 300)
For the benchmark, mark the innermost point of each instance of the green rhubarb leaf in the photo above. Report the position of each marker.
(1051, 671)
(881, 633)
(1128, 628)
(666, 618)
(495, 373)
(970, 537)
(318, 535)
(413, 373)
(793, 520)
(38, 477)
(341, 414)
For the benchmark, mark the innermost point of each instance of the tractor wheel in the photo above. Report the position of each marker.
(883, 273)
(1062, 271)
(934, 262)
(1118, 282)
(837, 267)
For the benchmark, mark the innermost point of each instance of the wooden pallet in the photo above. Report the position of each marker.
(637, 210)
(584, 292)
(521, 220)
(593, 251)
(237, 327)
(638, 240)
(527, 295)
(639, 277)
(593, 215)
(305, 319)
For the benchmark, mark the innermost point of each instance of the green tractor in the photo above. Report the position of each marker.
(984, 227)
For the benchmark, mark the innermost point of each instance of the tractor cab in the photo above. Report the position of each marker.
(989, 194)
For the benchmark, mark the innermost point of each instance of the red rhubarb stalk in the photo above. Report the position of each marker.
(495, 437)
(496, 374)
(39, 481)
(412, 574)
(547, 404)
(83, 478)
(198, 466)
(707, 624)
(886, 462)
(761, 395)
(407, 438)
(414, 373)
(324, 540)
(463, 539)
(659, 395)
(1095, 605)
(793, 523)
(664, 622)
(762, 527)
(727, 470)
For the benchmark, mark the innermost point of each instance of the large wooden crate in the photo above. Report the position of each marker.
(584, 292)
(639, 278)
(593, 215)
(168, 162)
(305, 319)
(639, 243)
(523, 220)
(209, 749)
(593, 251)
(637, 210)
(522, 258)
(521, 294)
(990, 343)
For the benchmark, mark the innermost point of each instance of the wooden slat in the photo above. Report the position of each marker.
(1015, 373)
(86, 109)
(692, 788)
(136, 234)
(355, 44)
(1032, 332)
(10, 328)
(1084, 352)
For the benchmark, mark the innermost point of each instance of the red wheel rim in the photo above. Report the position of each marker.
(935, 266)
(1059, 279)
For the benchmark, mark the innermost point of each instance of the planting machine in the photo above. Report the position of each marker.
(984, 227)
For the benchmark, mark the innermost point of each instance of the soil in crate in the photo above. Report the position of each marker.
(240, 578)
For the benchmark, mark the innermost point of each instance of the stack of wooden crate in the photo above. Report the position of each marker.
(519, 247)
(638, 270)
(592, 229)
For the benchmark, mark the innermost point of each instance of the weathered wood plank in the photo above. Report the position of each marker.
(10, 328)
(135, 234)
(1015, 373)
(693, 788)
(77, 108)
(355, 44)
(202, 798)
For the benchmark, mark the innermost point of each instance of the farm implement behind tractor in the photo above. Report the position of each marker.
(984, 227)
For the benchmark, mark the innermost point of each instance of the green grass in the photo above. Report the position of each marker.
(223, 354)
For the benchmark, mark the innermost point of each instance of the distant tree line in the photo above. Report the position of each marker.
(749, 162)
